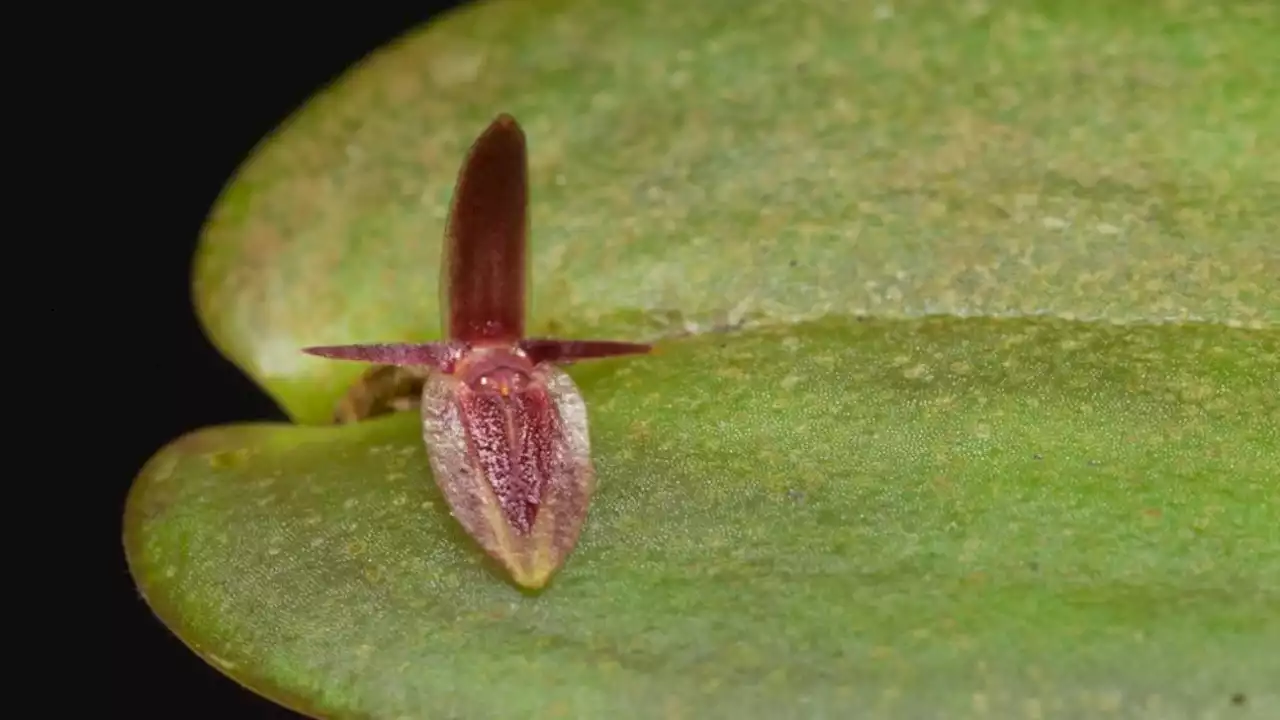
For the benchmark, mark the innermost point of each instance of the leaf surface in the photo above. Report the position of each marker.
(966, 402)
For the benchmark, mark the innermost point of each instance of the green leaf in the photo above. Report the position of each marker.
(927, 518)
(1058, 498)
(702, 163)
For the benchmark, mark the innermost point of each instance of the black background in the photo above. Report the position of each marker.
(192, 94)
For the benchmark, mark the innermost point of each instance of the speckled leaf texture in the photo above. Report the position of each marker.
(966, 399)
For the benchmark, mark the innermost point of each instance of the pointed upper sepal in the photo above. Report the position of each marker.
(484, 269)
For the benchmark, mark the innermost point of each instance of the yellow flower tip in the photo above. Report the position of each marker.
(534, 576)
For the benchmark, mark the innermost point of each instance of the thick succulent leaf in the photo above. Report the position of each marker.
(704, 163)
(939, 518)
(841, 507)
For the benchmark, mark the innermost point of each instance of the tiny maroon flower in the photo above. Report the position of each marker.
(505, 428)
